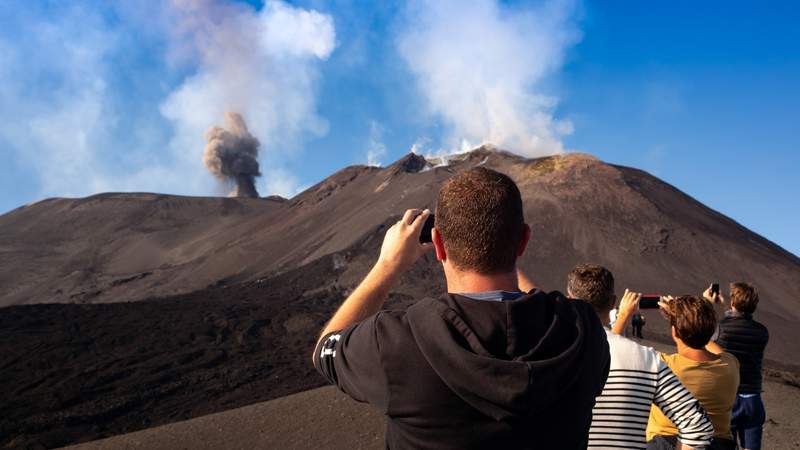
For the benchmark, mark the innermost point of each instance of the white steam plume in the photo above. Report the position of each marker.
(479, 66)
(376, 149)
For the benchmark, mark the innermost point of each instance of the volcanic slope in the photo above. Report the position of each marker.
(127, 247)
(231, 293)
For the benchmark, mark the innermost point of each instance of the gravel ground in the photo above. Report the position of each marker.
(326, 418)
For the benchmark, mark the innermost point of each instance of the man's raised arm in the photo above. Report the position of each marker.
(400, 249)
(628, 306)
(718, 301)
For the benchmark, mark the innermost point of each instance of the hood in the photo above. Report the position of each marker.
(511, 358)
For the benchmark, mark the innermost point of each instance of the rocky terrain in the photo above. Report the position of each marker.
(327, 418)
(126, 311)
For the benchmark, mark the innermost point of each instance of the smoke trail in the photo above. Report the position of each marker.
(231, 154)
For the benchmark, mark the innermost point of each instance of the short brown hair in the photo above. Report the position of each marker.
(744, 297)
(694, 320)
(479, 216)
(593, 284)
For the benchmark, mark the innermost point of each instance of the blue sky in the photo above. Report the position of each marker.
(98, 96)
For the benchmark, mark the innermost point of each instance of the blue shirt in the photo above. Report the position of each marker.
(493, 296)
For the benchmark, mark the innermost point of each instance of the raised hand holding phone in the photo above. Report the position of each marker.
(713, 295)
(628, 306)
(401, 246)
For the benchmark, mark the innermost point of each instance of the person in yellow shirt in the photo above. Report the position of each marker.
(713, 379)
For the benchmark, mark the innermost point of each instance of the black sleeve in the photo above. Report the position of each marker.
(351, 360)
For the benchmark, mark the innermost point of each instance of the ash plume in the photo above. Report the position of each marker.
(231, 155)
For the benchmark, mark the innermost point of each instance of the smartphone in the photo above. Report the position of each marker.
(714, 289)
(649, 301)
(425, 236)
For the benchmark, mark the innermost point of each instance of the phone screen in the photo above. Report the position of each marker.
(649, 301)
(425, 235)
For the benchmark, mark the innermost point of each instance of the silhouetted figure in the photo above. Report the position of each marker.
(638, 322)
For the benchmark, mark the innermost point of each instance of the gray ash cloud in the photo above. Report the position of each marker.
(231, 155)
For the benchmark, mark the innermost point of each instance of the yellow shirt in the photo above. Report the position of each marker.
(712, 383)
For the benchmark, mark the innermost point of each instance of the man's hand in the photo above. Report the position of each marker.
(628, 306)
(713, 298)
(665, 304)
(401, 247)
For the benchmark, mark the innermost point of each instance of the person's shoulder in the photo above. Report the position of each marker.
(384, 322)
(393, 332)
(671, 359)
(426, 309)
(425, 306)
(739, 324)
(731, 368)
(629, 354)
(584, 311)
(576, 304)
(728, 358)
(539, 294)
(760, 326)
(391, 318)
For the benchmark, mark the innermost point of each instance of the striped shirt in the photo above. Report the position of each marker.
(638, 378)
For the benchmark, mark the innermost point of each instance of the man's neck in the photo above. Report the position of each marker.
(695, 354)
(466, 281)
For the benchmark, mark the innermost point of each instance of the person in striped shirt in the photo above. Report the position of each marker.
(638, 377)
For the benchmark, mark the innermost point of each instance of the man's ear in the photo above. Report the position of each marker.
(438, 245)
(674, 335)
(526, 237)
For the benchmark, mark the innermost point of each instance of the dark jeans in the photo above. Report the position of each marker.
(747, 422)
(670, 442)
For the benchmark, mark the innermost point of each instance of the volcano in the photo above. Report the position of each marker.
(118, 308)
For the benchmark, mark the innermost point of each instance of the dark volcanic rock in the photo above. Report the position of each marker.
(195, 305)
(411, 163)
(78, 372)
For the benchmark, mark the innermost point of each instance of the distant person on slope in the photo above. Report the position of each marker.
(638, 322)
(712, 378)
(638, 376)
(740, 335)
(489, 364)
